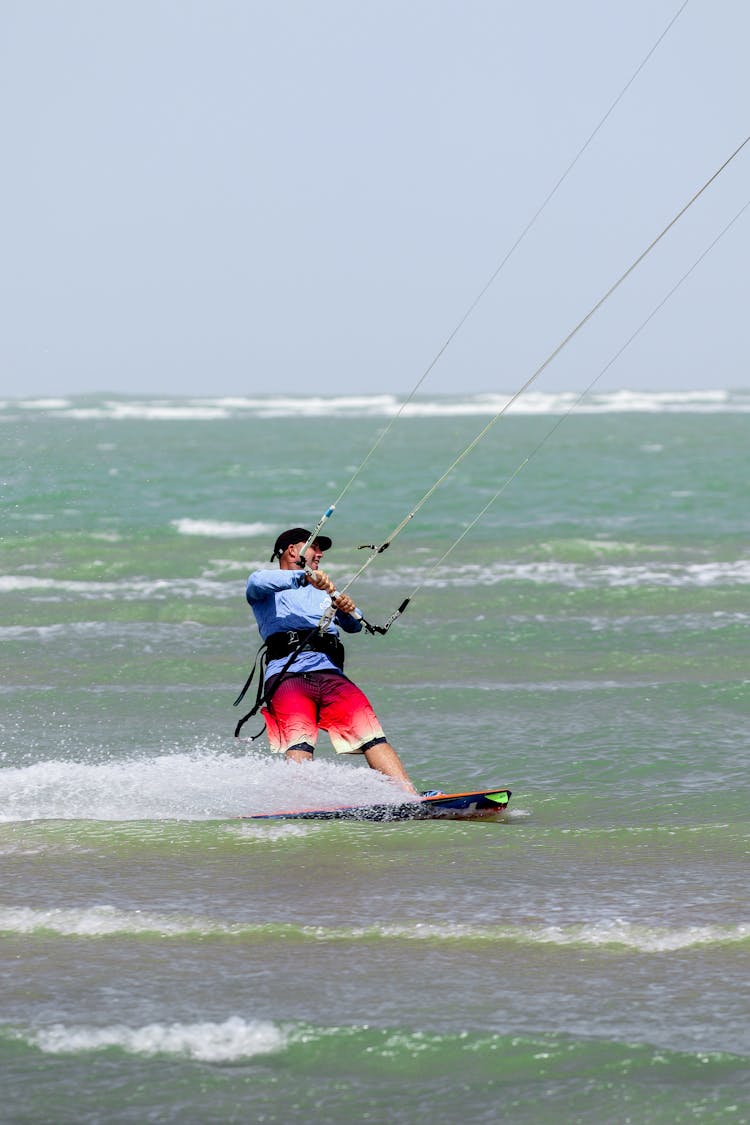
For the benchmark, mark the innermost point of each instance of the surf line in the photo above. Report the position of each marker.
(491, 280)
(376, 550)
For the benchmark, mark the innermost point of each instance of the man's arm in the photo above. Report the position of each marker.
(348, 623)
(261, 583)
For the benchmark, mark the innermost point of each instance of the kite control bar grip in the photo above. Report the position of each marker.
(335, 594)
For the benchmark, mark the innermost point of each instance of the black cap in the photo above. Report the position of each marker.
(298, 535)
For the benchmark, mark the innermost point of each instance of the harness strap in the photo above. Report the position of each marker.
(259, 656)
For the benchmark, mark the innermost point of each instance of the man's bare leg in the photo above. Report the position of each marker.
(297, 754)
(381, 757)
(384, 758)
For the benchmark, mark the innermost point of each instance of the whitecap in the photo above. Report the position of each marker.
(643, 938)
(106, 921)
(135, 589)
(234, 1039)
(221, 529)
(100, 921)
(44, 404)
(574, 575)
(389, 405)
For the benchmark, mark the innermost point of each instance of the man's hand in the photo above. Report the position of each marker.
(320, 580)
(345, 603)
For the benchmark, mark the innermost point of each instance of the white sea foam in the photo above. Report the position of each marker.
(45, 632)
(579, 576)
(576, 575)
(308, 406)
(643, 938)
(270, 831)
(150, 410)
(127, 589)
(222, 529)
(101, 921)
(135, 632)
(636, 936)
(44, 404)
(388, 405)
(230, 1041)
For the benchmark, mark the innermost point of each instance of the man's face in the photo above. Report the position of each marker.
(313, 554)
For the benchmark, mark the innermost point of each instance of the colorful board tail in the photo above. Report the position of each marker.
(447, 806)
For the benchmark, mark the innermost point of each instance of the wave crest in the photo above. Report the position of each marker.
(206, 1041)
(104, 921)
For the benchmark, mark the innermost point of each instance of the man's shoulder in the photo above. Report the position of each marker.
(264, 570)
(269, 580)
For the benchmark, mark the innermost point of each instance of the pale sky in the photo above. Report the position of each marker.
(211, 197)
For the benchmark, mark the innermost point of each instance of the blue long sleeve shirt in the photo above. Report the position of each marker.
(282, 600)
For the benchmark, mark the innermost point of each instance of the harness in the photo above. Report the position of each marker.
(276, 647)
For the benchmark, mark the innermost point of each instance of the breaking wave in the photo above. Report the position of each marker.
(105, 921)
(382, 405)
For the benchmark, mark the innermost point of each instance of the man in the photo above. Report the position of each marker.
(306, 690)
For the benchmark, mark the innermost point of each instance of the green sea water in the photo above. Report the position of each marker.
(585, 958)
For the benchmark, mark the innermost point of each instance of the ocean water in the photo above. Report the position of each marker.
(583, 959)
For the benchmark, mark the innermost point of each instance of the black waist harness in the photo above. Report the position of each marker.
(288, 644)
(279, 645)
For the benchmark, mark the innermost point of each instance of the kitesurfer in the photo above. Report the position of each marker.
(311, 692)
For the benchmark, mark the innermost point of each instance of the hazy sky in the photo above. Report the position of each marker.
(227, 197)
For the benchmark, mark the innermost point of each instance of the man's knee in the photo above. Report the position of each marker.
(300, 752)
(379, 741)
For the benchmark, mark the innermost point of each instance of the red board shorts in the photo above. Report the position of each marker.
(303, 704)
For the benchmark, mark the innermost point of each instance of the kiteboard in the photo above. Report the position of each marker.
(433, 806)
